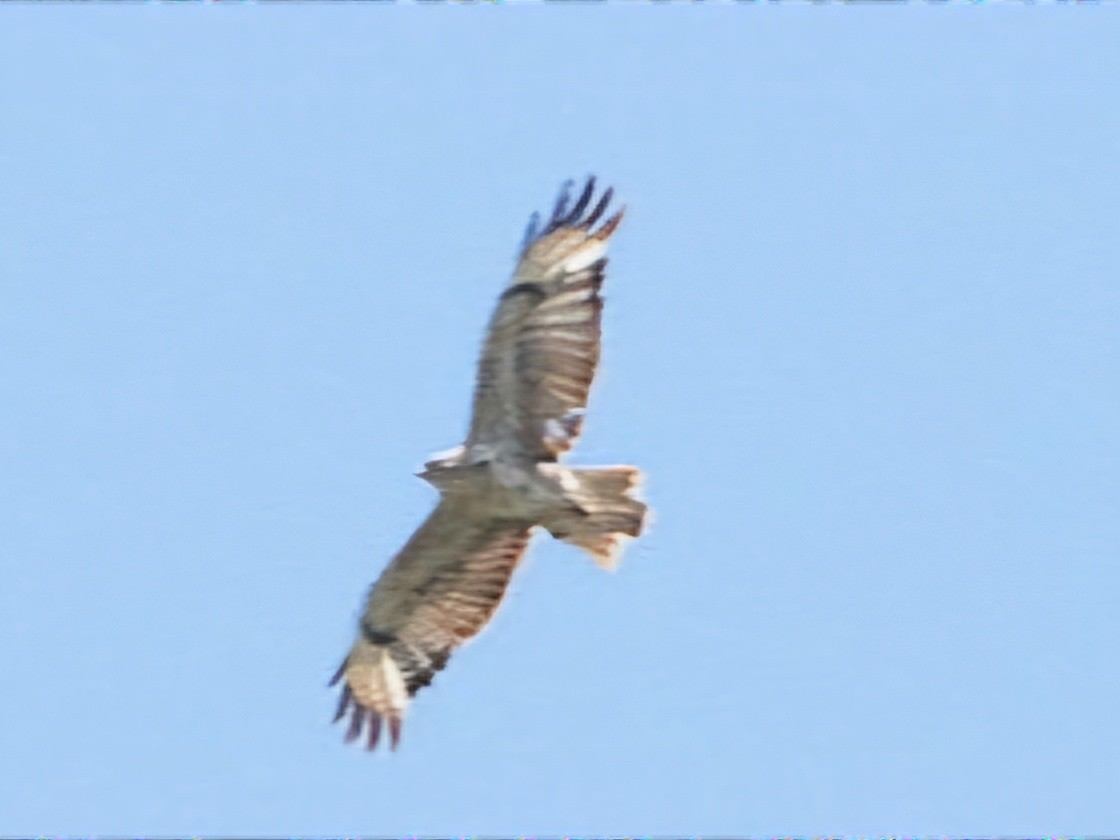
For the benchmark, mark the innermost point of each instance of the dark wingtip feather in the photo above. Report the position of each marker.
(600, 208)
(531, 231)
(582, 202)
(355, 728)
(343, 703)
(338, 674)
(394, 732)
(564, 216)
(374, 732)
(559, 210)
(610, 224)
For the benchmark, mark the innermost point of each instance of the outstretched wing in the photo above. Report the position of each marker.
(439, 591)
(542, 347)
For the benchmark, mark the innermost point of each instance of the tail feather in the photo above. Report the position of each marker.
(603, 514)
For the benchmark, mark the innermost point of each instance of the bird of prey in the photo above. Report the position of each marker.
(538, 359)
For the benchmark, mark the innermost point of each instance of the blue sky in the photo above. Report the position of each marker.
(861, 333)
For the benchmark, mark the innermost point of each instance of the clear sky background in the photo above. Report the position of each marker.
(861, 332)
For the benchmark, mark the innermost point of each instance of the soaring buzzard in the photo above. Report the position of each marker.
(538, 360)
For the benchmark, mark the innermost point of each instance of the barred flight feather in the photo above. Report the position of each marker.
(537, 366)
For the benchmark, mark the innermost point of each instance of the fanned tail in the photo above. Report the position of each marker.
(604, 512)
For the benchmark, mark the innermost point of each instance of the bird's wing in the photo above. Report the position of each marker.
(542, 346)
(439, 591)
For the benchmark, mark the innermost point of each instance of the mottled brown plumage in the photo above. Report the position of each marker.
(538, 361)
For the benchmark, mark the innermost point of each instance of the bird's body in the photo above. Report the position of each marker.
(538, 360)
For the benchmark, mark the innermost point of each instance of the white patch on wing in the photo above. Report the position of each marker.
(568, 481)
(446, 459)
(555, 431)
(584, 255)
(396, 695)
(447, 454)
